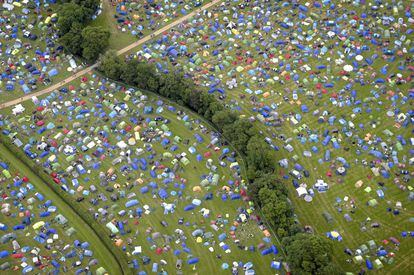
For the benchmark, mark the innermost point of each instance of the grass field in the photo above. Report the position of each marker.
(243, 47)
(83, 231)
(189, 176)
(19, 51)
(240, 49)
(118, 39)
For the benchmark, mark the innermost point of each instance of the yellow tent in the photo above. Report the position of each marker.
(359, 183)
(334, 234)
(119, 242)
(226, 188)
(38, 225)
(196, 188)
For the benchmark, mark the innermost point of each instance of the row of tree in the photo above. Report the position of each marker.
(308, 254)
(75, 35)
(240, 132)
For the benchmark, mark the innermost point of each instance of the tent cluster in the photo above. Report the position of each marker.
(133, 159)
(29, 54)
(141, 17)
(374, 255)
(34, 236)
(343, 71)
(317, 50)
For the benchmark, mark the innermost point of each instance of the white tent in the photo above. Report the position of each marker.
(301, 191)
(18, 109)
(348, 68)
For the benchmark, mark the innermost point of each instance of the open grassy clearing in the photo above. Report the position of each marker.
(270, 65)
(64, 243)
(126, 183)
(118, 39)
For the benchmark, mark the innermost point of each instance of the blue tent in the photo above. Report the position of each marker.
(144, 189)
(369, 264)
(189, 207)
(163, 194)
(131, 203)
(53, 72)
(193, 261)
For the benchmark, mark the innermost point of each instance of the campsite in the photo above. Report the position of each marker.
(30, 56)
(327, 84)
(340, 116)
(138, 19)
(35, 235)
(155, 208)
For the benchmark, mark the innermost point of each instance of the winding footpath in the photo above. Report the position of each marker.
(120, 52)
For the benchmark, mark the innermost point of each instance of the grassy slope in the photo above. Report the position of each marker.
(208, 262)
(83, 230)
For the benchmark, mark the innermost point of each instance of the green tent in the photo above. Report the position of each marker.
(70, 231)
(358, 259)
(7, 174)
(372, 245)
(373, 202)
(60, 219)
(101, 271)
(165, 128)
(185, 161)
(327, 217)
(364, 249)
(378, 264)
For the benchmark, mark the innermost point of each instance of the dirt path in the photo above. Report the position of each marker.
(120, 52)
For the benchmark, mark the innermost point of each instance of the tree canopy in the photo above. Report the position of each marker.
(270, 182)
(90, 5)
(260, 160)
(70, 15)
(75, 35)
(309, 254)
(94, 42)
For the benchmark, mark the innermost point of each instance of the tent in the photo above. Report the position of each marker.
(373, 202)
(327, 217)
(301, 191)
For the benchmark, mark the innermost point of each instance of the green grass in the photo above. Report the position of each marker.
(118, 39)
(311, 213)
(61, 63)
(83, 230)
(208, 262)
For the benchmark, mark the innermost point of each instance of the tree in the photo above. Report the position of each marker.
(170, 86)
(95, 41)
(70, 14)
(111, 65)
(260, 159)
(269, 181)
(239, 134)
(276, 210)
(145, 77)
(309, 254)
(223, 118)
(72, 40)
(213, 109)
(90, 5)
